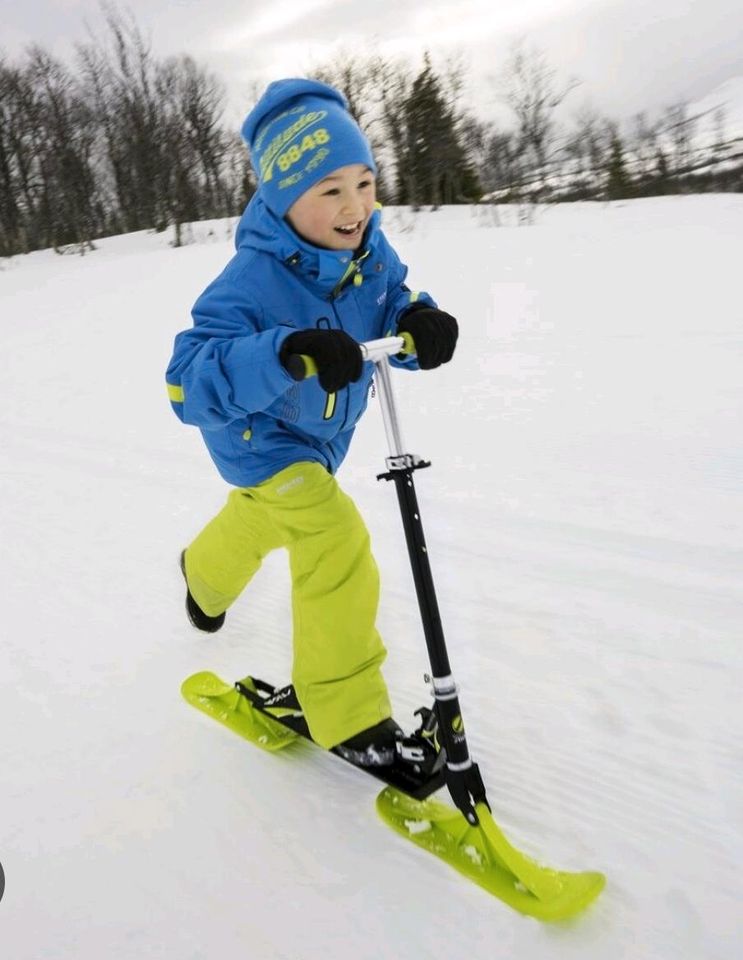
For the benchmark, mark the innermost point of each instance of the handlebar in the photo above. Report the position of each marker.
(300, 366)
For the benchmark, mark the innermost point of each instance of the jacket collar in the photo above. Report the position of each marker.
(261, 229)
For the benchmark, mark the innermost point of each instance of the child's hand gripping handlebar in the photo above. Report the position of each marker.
(300, 366)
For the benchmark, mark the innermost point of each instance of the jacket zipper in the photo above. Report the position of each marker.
(352, 269)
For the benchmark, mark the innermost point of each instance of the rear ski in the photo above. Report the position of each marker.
(417, 772)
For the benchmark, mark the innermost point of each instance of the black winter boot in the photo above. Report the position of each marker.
(374, 747)
(196, 615)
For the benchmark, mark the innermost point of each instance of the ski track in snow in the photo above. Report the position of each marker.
(584, 518)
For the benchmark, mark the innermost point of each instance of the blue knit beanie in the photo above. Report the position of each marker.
(298, 133)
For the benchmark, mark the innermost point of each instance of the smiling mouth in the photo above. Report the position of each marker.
(349, 230)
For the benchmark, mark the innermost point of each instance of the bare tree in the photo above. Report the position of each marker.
(644, 146)
(583, 154)
(168, 157)
(505, 166)
(46, 179)
(66, 138)
(357, 78)
(363, 80)
(190, 101)
(680, 129)
(475, 138)
(23, 144)
(530, 88)
(12, 233)
(200, 105)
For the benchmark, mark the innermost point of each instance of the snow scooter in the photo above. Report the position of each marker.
(466, 837)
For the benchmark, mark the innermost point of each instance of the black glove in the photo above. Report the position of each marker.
(434, 334)
(336, 355)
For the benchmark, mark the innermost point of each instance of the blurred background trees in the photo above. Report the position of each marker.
(124, 141)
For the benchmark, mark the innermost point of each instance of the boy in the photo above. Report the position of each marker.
(313, 275)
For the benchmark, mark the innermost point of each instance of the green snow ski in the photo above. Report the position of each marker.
(239, 709)
(484, 855)
(210, 694)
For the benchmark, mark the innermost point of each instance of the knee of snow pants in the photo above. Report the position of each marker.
(338, 652)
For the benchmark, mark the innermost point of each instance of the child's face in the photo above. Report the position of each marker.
(335, 211)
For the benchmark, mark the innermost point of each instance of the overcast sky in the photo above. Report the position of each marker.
(629, 54)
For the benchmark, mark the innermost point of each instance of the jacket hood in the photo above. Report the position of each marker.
(261, 229)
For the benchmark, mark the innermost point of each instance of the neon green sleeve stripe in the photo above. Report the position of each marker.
(175, 393)
(414, 294)
(329, 407)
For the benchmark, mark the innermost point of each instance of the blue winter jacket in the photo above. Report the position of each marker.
(225, 376)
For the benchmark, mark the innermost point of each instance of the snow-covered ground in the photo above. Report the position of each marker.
(584, 515)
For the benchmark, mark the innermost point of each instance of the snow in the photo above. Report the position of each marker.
(584, 516)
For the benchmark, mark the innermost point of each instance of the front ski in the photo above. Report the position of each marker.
(239, 706)
(484, 855)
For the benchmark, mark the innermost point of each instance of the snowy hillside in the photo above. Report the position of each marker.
(728, 98)
(584, 516)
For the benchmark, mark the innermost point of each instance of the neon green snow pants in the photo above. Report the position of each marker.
(335, 590)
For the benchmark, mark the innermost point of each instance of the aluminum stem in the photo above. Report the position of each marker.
(389, 410)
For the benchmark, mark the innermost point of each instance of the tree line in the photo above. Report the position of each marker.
(125, 141)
